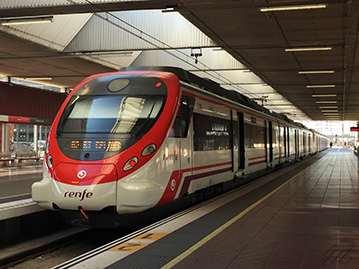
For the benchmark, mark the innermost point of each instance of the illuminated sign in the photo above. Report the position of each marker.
(94, 145)
(354, 129)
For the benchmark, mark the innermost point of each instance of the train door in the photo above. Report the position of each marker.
(183, 131)
(270, 142)
(276, 142)
(240, 137)
(284, 142)
(288, 141)
(296, 139)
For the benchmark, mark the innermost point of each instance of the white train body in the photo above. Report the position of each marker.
(197, 139)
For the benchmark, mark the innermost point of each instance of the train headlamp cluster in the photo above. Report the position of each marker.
(148, 150)
(49, 161)
(131, 163)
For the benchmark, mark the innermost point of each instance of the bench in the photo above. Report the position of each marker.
(7, 158)
(26, 156)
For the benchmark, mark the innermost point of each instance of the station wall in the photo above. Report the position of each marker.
(24, 101)
(25, 116)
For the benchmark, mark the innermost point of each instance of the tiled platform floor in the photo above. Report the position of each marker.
(312, 222)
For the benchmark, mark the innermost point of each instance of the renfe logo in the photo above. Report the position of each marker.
(81, 174)
(77, 194)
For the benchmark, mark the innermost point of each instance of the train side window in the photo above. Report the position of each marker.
(254, 136)
(211, 133)
(184, 116)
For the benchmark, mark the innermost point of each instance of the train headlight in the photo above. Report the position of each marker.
(131, 163)
(148, 150)
(49, 161)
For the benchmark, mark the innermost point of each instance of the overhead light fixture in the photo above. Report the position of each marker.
(26, 20)
(326, 102)
(326, 111)
(327, 107)
(169, 9)
(39, 78)
(309, 49)
(316, 72)
(324, 95)
(105, 54)
(296, 7)
(321, 86)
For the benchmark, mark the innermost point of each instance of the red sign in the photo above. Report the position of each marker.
(354, 129)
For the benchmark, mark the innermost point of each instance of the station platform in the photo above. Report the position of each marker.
(15, 182)
(15, 194)
(303, 216)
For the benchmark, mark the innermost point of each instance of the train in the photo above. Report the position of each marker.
(126, 142)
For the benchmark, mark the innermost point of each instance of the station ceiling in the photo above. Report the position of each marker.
(321, 78)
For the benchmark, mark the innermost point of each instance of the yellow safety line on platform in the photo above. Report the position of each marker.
(227, 224)
(13, 196)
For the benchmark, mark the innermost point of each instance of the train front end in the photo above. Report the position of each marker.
(105, 140)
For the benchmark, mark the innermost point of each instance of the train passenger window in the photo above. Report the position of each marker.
(254, 136)
(211, 133)
(184, 116)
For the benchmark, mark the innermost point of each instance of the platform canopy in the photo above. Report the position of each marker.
(294, 57)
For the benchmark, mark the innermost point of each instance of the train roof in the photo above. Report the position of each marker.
(213, 87)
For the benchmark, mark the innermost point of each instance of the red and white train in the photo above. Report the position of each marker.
(132, 140)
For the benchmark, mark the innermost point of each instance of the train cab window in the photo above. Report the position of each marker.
(184, 116)
(112, 114)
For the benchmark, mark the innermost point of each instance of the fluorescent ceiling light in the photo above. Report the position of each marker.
(39, 78)
(325, 111)
(325, 107)
(316, 72)
(309, 49)
(105, 54)
(321, 86)
(326, 102)
(27, 20)
(169, 9)
(297, 7)
(324, 95)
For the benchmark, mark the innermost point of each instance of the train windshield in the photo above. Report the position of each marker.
(109, 114)
(118, 114)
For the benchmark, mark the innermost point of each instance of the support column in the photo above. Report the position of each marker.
(5, 143)
(36, 146)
